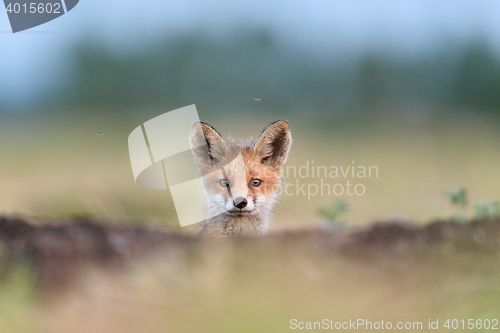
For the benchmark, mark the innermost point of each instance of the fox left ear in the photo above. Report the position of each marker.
(273, 145)
(207, 145)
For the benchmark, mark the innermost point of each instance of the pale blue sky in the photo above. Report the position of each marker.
(33, 62)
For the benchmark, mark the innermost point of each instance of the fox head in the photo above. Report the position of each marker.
(241, 180)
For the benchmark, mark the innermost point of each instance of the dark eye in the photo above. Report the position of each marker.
(256, 182)
(224, 183)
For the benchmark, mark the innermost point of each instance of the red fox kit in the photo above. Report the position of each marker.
(240, 182)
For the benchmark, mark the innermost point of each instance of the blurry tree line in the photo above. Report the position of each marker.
(230, 72)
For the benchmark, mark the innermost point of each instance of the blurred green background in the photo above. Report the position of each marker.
(428, 119)
(412, 87)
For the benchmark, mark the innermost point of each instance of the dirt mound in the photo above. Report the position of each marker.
(58, 252)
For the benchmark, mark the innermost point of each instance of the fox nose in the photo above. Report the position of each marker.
(240, 202)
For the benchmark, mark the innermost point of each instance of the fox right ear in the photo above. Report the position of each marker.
(273, 145)
(207, 145)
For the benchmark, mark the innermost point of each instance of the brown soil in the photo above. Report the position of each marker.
(58, 252)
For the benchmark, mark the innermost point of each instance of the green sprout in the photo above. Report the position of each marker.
(460, 200)
(487, 210)
(332, 212)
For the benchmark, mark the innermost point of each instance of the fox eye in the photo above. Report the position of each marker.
(256, 182)
(224, 183)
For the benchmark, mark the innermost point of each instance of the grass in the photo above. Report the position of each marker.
(257, 285)
(17, 296)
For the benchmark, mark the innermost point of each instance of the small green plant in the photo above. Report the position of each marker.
(460, 200)
(487, 210)
(332, 212)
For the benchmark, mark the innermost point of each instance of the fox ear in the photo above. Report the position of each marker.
(207, 145)
(273, 145)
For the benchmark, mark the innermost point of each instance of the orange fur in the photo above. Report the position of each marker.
(241, 207)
